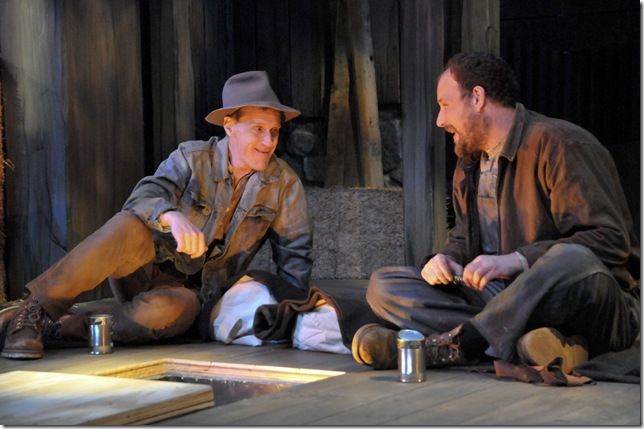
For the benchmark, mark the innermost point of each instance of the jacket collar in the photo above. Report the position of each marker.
(515, 134)
(220, 165)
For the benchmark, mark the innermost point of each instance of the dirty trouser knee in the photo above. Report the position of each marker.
(162, 312)
(402, 298)
(566, 285)
(152, 305)
(118, 248)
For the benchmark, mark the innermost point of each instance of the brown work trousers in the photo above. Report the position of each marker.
(152, 303)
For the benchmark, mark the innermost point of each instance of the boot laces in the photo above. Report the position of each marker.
(444, 349)
(30, 316)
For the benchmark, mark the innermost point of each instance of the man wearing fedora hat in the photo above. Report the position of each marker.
(183, 234)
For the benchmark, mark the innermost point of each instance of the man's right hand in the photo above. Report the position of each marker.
(190, 239)
(441, 269)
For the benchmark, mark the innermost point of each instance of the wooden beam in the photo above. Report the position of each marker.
(424, 188)
(340, 138)
(366, 95)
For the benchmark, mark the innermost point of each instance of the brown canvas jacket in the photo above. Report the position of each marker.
(556, 184)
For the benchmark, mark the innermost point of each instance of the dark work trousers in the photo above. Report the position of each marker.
(151, 303)
(568, 288)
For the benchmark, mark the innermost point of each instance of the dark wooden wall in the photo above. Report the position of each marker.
(580, 61)
(96, 93)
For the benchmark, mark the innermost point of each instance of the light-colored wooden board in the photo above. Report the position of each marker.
(46, 398)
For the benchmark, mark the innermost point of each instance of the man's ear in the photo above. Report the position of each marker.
(478, 97)
(228, 125)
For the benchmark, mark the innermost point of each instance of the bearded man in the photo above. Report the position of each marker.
(542, 260)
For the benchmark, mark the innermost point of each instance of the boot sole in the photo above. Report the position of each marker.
(21, 354)
(355, 349)
(355, 344)
(541, 346)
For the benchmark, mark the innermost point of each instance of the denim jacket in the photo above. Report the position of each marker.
(195, 180)
(556, 184)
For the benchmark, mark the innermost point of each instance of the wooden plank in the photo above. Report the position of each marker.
(424, 149)
(161, 84)
(506, 402)
(340, 141)
(481, 26)
(385, 26)
(242, 35)
(273, 55)
(307, 57)
(3, 244)
(104, 111)
(34, 132)
(45, 398)
(188, 28)
(365, 93)
(216, 68)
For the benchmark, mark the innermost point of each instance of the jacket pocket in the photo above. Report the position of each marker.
(196, 208)
(255, 224)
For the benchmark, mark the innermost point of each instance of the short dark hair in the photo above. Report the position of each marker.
(488, 71)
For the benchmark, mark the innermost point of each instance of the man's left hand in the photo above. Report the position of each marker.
(484, 268)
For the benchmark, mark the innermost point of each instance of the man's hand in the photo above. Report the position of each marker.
(190, 239)
(484, 268)
(440, 270)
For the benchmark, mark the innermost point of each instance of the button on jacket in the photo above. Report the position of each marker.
(556, 184)
(195, 180)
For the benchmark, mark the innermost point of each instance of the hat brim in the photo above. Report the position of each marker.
(217, 116)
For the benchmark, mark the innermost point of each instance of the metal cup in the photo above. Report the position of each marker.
(100, 334)
(411, 356)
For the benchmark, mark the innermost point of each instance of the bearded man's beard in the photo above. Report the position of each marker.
(472, 140)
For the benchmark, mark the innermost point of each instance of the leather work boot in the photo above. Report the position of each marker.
(24, 334)
(6, 314)
(541, 346)
(445, 350)
(374, 345)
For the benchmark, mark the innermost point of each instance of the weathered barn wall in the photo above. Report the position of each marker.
(36, 200)
(97, 93)
(3, 272)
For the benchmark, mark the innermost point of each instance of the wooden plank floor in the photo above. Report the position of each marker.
(363, 396)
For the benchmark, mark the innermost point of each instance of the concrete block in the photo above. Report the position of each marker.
(356, 230)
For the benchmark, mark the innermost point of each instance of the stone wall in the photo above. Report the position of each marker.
(356, 231)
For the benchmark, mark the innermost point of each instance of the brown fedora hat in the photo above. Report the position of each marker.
(248, 89)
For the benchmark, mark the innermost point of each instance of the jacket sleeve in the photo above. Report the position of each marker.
(587, 203)
(157, 194)
(291, 235)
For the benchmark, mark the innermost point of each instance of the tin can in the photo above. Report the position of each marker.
(100, 334)
(411, 356)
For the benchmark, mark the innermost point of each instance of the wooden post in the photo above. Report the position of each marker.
(424, 189)
(366, 96)
(341, 162)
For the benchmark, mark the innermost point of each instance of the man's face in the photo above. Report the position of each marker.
(458, 116)
(253, 138)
